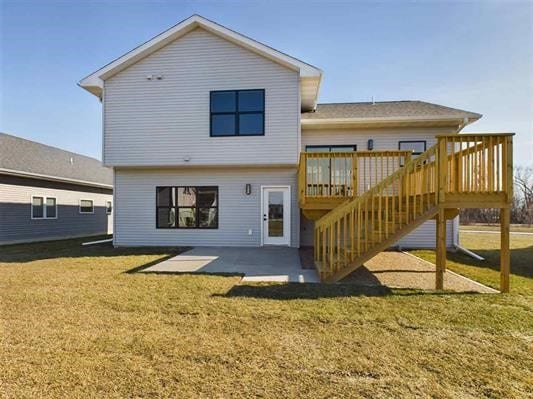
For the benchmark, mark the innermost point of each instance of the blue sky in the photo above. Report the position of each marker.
(475, 55)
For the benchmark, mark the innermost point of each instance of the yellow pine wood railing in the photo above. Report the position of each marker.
(355, 228)
(345, 174)
(458, 171)
(476, 166)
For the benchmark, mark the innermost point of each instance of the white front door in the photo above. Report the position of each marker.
(276, 215)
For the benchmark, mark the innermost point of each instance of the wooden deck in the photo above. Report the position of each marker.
(364, 202)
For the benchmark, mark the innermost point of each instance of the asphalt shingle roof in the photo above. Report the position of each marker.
(23, 155)
(386, 109)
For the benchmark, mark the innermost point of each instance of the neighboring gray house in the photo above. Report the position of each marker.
(205, 127)
(47, 193)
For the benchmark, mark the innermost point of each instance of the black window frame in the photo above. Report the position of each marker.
(353, 146)
(177, 207)
(412, 141)
(236, 114)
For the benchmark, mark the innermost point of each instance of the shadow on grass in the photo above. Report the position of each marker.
(521, 260)
(21, 253)
(291, 291)
(304, 291)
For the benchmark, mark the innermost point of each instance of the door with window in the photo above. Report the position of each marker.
(276, 215)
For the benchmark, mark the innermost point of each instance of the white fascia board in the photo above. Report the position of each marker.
(349, 121)
(94, 82)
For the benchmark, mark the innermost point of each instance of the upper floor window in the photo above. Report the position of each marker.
(417, 146)
(237, 113)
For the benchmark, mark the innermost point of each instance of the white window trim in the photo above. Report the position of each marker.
(106, 212)
(45, 216)
(85, 213)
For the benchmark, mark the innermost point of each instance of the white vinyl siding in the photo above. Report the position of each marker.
(164, 122)
(135, 195)
(384, 139)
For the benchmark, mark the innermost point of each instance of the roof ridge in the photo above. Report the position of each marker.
(372, 102)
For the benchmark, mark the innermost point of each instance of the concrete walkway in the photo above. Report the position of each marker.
(279, 264)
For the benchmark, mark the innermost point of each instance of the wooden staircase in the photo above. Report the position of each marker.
(456, 172)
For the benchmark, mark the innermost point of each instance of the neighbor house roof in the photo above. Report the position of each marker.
(387, 111)
(23, 157)
(310, 76)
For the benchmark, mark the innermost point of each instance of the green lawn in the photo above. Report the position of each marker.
(487, 272)
(75, 323)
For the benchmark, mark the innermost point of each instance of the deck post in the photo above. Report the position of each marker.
(505, 255)
(441, 250)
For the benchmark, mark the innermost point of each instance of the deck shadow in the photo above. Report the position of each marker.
(290, 291)
(521, 264)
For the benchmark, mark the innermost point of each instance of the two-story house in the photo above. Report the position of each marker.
(217, 140)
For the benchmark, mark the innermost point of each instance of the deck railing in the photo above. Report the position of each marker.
(458, 171)
(477, 164)
(333, 175)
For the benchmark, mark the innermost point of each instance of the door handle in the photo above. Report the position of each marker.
(265, 218)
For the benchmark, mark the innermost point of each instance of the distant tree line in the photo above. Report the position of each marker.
(522, 206)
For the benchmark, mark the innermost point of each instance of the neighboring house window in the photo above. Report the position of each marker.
(187, 207)
(86, 206)
(418, 147)
(108, 207)
(237, 113)
(43, 208)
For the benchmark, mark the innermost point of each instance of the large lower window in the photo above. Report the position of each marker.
(187, 207)
(237, 113)
(43, 208)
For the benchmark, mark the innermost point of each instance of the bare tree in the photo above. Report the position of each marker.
(523, 184)
(521, 208)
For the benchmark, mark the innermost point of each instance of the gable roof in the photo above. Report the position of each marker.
(388, 111)
(23, 157)
(310, 76)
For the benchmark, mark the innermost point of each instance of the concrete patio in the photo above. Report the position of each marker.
(273, 264)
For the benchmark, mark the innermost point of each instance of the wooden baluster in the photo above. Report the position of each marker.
(358, 224)
(324, 245)
(460, 176)
(490, 162)
(443, 159)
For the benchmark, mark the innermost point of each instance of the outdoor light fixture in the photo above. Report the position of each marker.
(370, 144)
(248, 189)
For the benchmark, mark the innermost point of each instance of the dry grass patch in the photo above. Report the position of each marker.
(76, 324)
(518, 228)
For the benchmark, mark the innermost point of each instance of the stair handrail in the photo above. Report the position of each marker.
(408, 167)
